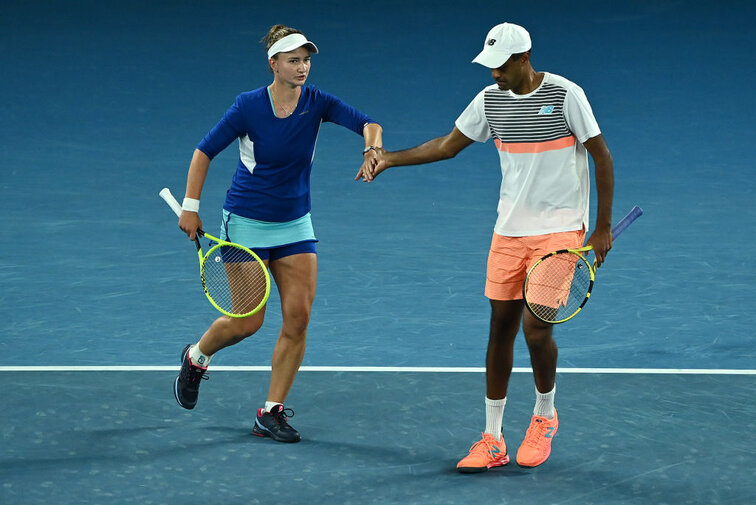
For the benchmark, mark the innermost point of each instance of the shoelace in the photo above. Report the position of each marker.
(282, 416)
(485, 445)
(536, 433)
(196, 374)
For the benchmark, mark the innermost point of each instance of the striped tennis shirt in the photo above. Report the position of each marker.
(544, 166)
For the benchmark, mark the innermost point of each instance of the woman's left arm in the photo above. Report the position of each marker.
(373, 134)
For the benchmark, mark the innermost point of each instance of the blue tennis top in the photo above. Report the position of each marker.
(272, 179)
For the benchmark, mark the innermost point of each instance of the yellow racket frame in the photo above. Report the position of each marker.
(591, 270)
(617, 230)
(166, 195)
(203, 259)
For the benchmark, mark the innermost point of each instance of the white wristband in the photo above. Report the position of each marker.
(190, 204)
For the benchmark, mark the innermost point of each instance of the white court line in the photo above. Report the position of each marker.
(126, 368)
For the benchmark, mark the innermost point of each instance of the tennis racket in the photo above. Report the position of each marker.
(559, 284)
(234, 278)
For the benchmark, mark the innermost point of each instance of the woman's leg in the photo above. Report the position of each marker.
(296, 278)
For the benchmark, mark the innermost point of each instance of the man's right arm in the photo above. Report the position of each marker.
(440, 148)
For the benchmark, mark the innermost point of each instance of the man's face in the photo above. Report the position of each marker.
(509, 75)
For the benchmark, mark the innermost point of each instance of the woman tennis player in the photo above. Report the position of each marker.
(267, 209)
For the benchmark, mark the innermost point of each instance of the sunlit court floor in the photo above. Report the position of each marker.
(119, 437)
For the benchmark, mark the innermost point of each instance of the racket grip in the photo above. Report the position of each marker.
(626, 221)
(166, 195)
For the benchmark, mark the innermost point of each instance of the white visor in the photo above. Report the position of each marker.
(289, 43)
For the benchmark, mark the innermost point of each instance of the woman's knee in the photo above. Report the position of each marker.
(248, 326)
(296, 320)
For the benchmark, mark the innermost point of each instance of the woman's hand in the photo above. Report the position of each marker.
(190, 222)
(367, 170)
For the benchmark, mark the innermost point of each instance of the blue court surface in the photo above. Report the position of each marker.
(103, 104)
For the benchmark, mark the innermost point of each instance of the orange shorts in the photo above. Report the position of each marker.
(510, 259)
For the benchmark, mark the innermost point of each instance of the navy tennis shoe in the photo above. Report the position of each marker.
(274, 424)
(186, 386)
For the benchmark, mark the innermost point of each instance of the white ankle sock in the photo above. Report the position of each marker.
(544, 406)
(198, 358)
(269, 405)
(494, 414)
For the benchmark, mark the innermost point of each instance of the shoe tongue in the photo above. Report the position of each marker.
(276, 409)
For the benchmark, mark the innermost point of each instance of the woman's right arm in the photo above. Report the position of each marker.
(228, 129)
(190, 221)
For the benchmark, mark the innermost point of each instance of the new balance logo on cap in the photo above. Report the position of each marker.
(546, 109)
(501, 42)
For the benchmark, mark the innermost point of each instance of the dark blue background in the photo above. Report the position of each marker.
(104, 102)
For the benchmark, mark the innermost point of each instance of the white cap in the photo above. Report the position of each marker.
(503, 41)
(289, 43)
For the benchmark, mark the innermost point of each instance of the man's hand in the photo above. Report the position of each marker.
(601, 240)
(374, 164)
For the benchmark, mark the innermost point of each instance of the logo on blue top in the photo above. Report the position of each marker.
(546, 109)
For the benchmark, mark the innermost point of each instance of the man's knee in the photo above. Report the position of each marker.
(537, 333)
(505, 318)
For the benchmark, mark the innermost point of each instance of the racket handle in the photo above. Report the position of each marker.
(626, 221)
(166, 195)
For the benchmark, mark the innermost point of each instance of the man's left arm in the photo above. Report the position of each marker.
(601, 238)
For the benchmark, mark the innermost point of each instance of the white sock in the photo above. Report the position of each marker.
(544, 406)
(198, 358)
(494, 414)
(269, 405)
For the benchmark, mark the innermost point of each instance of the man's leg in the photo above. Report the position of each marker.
(536, 447)
(491, 450)
(505, 323)
(543, 351)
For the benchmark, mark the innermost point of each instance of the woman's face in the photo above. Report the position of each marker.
(293, 67)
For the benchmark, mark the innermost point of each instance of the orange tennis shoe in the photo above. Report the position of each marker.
(485, 454)
(536, 447)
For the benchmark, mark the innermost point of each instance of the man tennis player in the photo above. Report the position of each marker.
(543, 127)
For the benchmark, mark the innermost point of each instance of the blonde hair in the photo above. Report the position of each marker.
(276, 33)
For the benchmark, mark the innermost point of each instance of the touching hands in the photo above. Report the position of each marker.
(375, 162)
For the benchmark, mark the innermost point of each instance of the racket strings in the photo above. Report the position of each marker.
(234, 279)
(557, 287)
